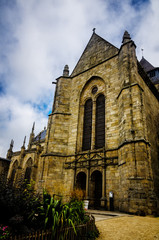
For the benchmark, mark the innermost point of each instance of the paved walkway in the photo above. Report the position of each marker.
(129, 228)
(121, 226)
(103, 215)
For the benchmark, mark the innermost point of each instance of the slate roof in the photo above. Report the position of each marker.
(40, 136)
(146, 65)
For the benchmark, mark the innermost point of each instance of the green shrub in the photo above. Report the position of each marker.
(18, 205)
(25, 211)
(4, 232)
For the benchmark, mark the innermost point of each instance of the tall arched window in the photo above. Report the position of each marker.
(28, 170)
(13, 173)
(27, 174)
(87, 128)
(100, 122)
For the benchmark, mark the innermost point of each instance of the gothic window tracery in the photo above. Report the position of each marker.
(92, 115)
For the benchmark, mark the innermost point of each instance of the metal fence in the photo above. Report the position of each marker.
(82, 233)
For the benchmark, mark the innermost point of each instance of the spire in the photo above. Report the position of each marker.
(66, 71)
(31, 136)
(33, 128)
(126, 37)
(39, 137)
(22, 154)
(11, 145)
(24, 142)
(10, 150)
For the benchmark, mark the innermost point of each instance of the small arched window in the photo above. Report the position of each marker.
(100, 122)
(87, 128)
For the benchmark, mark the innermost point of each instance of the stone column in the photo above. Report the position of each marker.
(104, 199)
(87, 184)
(88, 177)
(75, 172)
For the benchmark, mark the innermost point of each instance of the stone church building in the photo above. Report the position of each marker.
(103, 133)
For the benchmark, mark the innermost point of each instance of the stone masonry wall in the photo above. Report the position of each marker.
(151, 106)
(127, 134)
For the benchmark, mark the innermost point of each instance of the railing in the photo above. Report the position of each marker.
(67, 233)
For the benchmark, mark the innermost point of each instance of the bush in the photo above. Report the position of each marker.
(18, 205)
(77, 194)
(25, 211)
(4, 232)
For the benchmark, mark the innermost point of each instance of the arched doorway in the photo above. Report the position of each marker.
(96, 188)
(81, 181)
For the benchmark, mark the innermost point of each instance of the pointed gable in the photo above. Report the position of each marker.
(96, 51)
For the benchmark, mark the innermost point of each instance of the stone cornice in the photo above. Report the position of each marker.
(61, 113)
(95, 151)
(131, 85)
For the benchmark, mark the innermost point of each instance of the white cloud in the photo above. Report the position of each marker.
(148, 36)
(39, 37)
(16, 121)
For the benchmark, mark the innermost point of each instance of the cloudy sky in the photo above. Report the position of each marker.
(38, 37)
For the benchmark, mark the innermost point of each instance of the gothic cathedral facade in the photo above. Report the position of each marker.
(102, 135)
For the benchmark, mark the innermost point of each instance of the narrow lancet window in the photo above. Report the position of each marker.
(28, 170)
(87, 128)
(100, 122)
(27, 174)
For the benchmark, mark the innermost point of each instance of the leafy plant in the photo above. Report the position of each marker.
(59, 216)
(4, 232)
(25, 211)
(78, 211)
